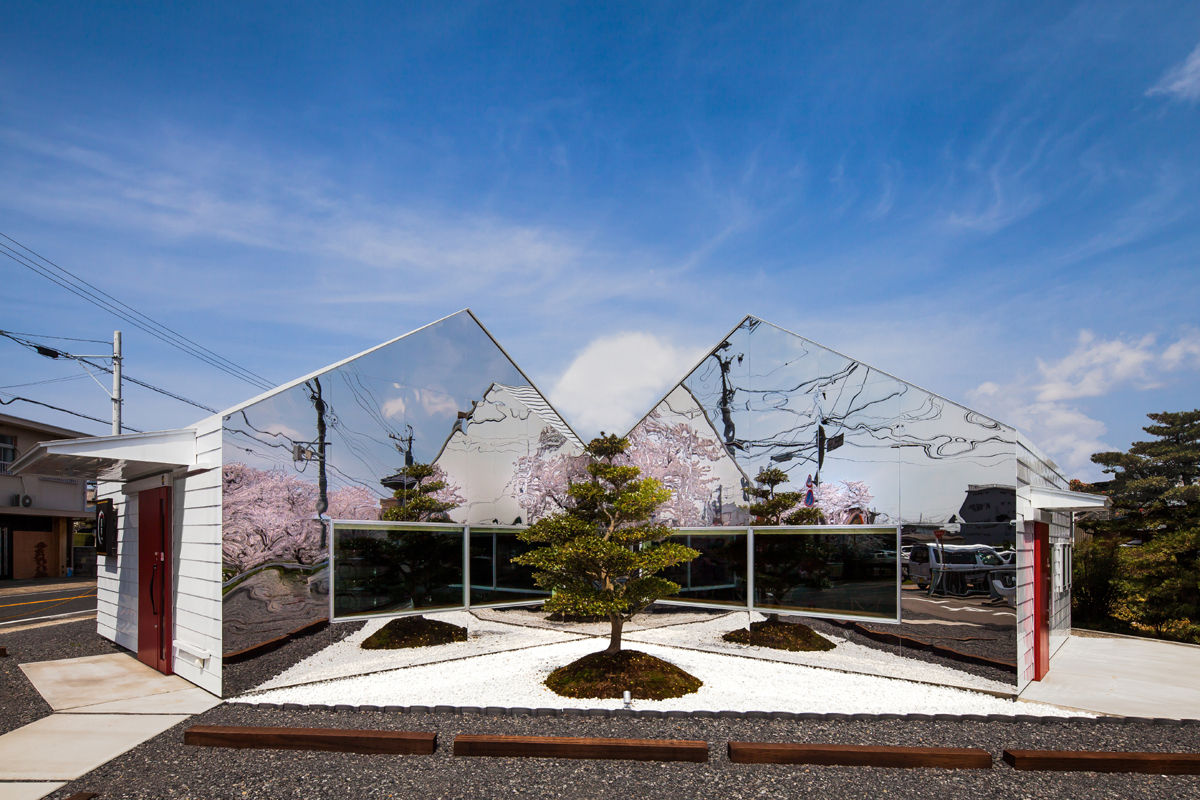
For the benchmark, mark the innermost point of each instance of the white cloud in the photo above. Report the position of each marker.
(1183, 354)
(1181, 81)
(615, 379)
(1096, 366)
(1045, 406)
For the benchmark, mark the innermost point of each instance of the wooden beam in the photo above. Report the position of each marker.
(579, 747)
(330, 739)
(83, 796)
(850, 755)
(1095, 761)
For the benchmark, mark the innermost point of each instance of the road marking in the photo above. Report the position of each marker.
(90, 611)
(51, 600)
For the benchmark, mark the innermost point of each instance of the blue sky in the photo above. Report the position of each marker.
(999, 202)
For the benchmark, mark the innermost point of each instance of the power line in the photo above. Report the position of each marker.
(63, 338)
(55, 353)
(74, 284)
(62, 379)
(15, 398)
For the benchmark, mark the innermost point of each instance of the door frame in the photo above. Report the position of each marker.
(154, 640)
(1043, 571)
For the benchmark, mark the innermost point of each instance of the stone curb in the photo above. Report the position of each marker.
(626, 713)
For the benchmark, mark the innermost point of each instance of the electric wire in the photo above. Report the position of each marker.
(15, 398)
(73, 283)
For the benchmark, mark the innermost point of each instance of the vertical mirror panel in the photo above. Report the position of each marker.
(382, 571)
(495, 580)
(445, 397)
(843, 574)
(718, 575)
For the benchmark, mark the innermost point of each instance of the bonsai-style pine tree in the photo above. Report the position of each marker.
(601, 556)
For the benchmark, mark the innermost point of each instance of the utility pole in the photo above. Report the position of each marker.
(116, 390)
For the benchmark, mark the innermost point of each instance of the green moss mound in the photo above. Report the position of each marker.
(780, 636)
(607, 674)
(414, 632)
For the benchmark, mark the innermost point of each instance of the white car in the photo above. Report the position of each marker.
(965, 564)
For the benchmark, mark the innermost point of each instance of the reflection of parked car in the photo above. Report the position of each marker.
(1007, 556)
(965, 565)
(905, 551)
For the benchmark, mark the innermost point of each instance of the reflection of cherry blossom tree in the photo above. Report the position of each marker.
(682, 459)
(676, 455)
(840, 504)
(269, 515)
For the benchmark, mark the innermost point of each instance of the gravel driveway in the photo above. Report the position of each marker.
(164, 768)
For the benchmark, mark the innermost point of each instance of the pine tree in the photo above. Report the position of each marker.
(601, 555)
(779, 508)
(417, 500)
(1155, 486)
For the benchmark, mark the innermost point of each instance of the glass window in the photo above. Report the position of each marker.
(718, 574)
(494, 578)
(805, 570)
(393, 570)
(8, 452)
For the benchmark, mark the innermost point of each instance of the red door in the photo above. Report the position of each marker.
(1041, 600)
(154, 578)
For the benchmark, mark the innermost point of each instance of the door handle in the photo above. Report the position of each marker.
(153, 575)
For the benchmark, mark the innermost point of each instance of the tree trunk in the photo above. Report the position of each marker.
(614, 639)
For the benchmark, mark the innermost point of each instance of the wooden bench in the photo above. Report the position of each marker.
(851, 755)
(577, 747)
(330, 739)
(1095, 761)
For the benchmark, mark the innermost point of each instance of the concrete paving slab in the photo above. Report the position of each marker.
(188, 701)
(28, 790)
(63, 747)
(1122, 676)
(90, 680)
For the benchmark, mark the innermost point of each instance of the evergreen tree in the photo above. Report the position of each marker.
(779, 508)
(601, 554)
(417, 500)
(1155, 486)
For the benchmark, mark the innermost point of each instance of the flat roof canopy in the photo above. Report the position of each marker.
(116, 458)
(1046, 499)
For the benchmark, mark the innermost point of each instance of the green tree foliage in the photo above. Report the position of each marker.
(1161, 584)
(600, 556)
(779, 508)
(1095, 593)
(416, 500)
(1155, 493)
(1156, 484)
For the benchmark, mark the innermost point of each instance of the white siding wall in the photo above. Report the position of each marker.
(196, 565)
(117, 576)
(196, 551)
(1034, 470)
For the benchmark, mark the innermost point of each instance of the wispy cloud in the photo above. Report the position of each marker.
(1181, 81)
(1046, 405)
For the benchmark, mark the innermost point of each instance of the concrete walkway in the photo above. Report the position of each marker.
(104, 706)
(1123, 676)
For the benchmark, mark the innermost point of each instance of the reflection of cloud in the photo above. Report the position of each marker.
(615, 378)
(1181, 81)
(394, 408)
(431, 401)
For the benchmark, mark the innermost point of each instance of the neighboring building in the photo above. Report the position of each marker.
(37, 512)
(221, 552)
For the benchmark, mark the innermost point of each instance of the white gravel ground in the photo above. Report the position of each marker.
(515, 679)
(346, 658)
(846, 656)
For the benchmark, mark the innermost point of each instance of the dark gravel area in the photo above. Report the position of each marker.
(165, 768)
(983, 671)
(20, 704)
(242, 677)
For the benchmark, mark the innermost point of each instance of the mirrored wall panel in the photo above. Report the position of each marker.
(718, 575)
(436, 425)
(495, 580)
(856, 446)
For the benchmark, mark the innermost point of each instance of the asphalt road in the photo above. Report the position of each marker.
(35, 603)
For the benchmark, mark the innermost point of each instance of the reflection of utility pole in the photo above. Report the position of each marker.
(727, 393)
(322, 483)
